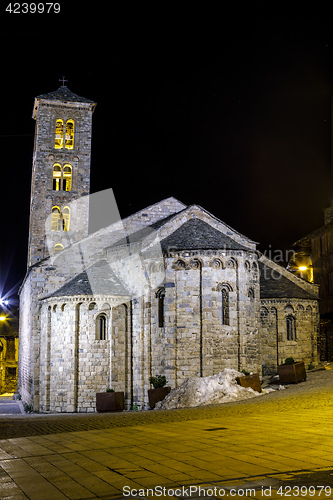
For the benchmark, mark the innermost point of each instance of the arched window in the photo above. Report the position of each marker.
(66, 218)
(69, 144)
(251, 294)
(59, 134)
(58, 247)
(161, 312)
(225, 307)
(101, 327)
(67, 177)
(56, 219)
(291, 328)
(56, 176)
(264, 319)
(225, 289)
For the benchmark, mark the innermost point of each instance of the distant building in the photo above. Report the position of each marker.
(169, 290)
(314, 262)
(8, 354)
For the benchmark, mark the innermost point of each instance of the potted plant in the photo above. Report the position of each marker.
(159, 392)
(249, 380)
(109, 401)
(292, 372)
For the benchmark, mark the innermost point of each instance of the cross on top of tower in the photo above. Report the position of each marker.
(63, 81)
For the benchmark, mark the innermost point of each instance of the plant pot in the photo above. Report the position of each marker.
(252, 381)
(109, 401)
(292, 374)
(156, 395)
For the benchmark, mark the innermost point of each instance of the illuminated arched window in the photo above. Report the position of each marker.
(59, 134)
(65, 218)
(58, 248)
(56, 219)
(67, 178)
(69, 144)
(56, 176)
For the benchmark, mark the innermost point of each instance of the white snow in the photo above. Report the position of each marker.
(215, 389)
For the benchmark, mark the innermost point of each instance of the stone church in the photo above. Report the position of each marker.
(169, 290)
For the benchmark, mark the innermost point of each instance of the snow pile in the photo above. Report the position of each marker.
(197, 391)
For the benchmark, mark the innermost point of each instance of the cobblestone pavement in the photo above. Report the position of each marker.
(256, 448)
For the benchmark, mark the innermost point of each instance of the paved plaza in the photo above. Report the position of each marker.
(278, 445)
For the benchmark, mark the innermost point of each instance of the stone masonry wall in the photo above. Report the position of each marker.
(74, 362)
(275, 347)
(44, 278)
(43, 196)
(193, 340)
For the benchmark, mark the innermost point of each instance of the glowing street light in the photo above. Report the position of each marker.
(302, 268)
(2, 318)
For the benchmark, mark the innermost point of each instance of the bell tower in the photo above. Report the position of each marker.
(59, 207)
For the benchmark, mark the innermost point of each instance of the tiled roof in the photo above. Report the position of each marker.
(199, 235)
(193, 234)
(275, 285)
(98, 279)
(64, 94)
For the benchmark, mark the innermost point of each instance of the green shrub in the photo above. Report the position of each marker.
(27, 408)
(158, 381)
(109, 390)
(289, 361)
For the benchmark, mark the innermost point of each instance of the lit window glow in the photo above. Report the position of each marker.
(67, 177)
(56, 219)
(58, 248)
(66, 219)
(69, 144)
(56, 176)
(59, 134)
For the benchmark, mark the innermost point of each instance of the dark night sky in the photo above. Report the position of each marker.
(227, 110)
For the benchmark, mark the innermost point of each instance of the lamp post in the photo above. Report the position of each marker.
(4, 303)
